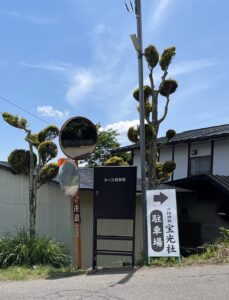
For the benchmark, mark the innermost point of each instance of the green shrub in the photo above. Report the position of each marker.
(22, 249)
(224, 235)
(19, 161)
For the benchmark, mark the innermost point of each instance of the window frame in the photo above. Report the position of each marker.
(199, 158)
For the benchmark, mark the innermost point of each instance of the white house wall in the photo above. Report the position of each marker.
(165, 153)
(181, 156)
(221, 157)
(181, 159)
(203, 148)
(137, 162)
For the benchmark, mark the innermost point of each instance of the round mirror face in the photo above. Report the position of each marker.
(68, 177)
(78, 137)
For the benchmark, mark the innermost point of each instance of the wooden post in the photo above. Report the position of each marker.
(77, 220)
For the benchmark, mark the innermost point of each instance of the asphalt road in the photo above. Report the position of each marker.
(196, 283)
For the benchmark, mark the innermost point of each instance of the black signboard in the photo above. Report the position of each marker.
(114, 198)
(115, 192)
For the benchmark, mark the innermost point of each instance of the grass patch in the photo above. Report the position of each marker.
(21, 249)
(216, 253)
(36, 272)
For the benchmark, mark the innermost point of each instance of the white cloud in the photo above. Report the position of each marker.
(82, 83)
(185, 93)
(182, 68)
(189, 66)
(122, 128)
(49, 111)
(99, 29)
(38, 20)
(160, 9)
(107, 77)
(54, 67)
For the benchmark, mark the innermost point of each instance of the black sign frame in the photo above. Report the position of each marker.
(114, 198)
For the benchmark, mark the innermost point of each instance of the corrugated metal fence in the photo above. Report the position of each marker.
(54, 210)
(54, 219)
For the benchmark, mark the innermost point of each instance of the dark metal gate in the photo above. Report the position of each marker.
(114, 198)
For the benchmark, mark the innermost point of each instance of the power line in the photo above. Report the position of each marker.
(23, 109)
(131, 7)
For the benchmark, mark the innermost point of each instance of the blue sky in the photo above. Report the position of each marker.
(64, 58)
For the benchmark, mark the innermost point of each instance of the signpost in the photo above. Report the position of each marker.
(77, 139)
(163, 239)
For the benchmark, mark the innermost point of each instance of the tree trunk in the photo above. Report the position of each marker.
(32, 190)
(151, 164)
(32, 213)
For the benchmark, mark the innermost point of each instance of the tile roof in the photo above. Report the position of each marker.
(200, 134)
(185, 136)
(86, 177)
(202, 182)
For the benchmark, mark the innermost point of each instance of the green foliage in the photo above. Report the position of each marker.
(164, 261)
(149, 132)
(159, 170)
(33, 139)
(19, 161)
(22, 249)
(37, 272)
(48, 134)
(170, 134)
(164, 170)
(14, 120)
(106, 141)
(168, 87)
(151, 55)
(156, 173)
(148, 108)
(133, 134)
(168, 167)
(116, 161)
(224, 235)
(47, 151)
(147, 93)
(166, 57)
(216, 253)
(48, 172)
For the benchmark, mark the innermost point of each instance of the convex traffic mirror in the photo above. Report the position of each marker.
(68, 176)
(78, 137)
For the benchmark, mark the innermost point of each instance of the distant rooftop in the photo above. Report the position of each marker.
(200, 134)
(213, 132)
(86, 177)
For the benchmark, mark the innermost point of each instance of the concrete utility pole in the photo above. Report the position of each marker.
(138, 46)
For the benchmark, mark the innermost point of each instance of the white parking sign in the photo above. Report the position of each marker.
(162, 225)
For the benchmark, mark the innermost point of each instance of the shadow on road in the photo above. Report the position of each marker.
(60, 275)
(129, 271)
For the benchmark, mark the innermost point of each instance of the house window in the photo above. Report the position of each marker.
(200, 165)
